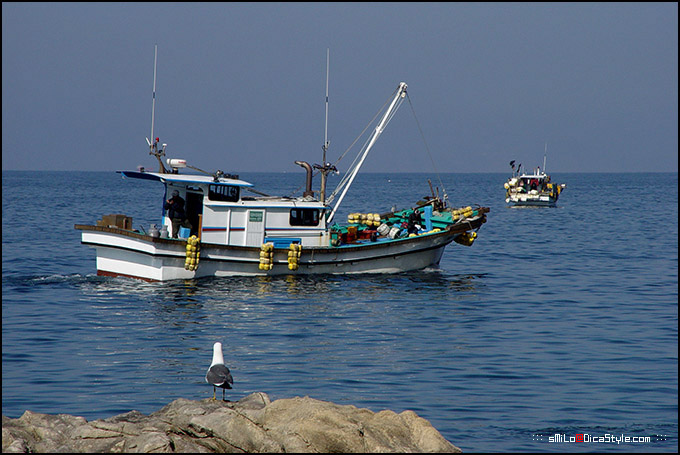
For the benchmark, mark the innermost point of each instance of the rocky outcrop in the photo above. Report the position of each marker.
(252, 424)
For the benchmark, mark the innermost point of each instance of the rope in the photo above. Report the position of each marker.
(427, 149)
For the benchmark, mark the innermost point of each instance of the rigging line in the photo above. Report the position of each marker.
(362, 133)
(342, 181)
(422, 135)
(387, 116)
(345, 178)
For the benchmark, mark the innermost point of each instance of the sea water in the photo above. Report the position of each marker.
(556, 331)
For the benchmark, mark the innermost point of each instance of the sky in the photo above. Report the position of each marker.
(241, 86)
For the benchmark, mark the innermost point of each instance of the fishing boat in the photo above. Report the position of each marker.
(231, 229)
(531, 189)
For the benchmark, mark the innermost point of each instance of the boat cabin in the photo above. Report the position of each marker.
(219, 212)
(531, 182)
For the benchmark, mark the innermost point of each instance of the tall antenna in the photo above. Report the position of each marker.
(326, 143)
(153, 143)
(153, 102)
(545, 152)
(324, 168)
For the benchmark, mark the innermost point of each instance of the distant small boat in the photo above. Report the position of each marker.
(230, 233)
(532, 189)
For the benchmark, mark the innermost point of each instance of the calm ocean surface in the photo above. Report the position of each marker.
(557, 321)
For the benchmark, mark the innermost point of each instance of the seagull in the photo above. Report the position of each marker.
(218, 374)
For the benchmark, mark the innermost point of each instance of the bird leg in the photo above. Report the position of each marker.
(214, 393)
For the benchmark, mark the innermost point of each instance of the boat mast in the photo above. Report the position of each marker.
(326, 143)
(153, 143)
(399, 96)
(325, 168)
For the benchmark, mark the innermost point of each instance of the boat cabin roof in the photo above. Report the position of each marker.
(184, 178)
(540, 176)
(195, 179)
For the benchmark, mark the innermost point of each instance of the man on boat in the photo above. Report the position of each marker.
(175, 208)
(414, 223)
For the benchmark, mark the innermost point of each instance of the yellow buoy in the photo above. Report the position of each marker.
(266, 256)
(192, 252)
(293, 254)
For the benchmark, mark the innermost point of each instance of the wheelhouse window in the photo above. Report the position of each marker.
(226, 193)
(304, 217)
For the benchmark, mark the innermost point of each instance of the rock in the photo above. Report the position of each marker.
(253, 424)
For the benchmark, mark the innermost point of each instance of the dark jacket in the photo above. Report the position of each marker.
(175, 207)
(413, 219)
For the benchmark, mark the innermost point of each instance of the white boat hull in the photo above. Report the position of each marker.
(528, 200)
(130, 254)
